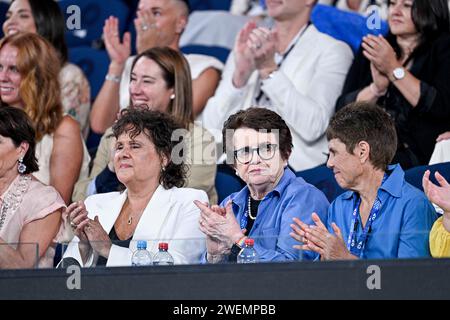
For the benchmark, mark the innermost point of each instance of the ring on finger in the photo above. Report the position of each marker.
(73, 225)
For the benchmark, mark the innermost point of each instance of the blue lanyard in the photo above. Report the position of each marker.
(357, 246)
(244, 219)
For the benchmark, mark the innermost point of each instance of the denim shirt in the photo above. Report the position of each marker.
(292, 197)
(402, 227)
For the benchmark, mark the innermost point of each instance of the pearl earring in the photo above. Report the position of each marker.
(21, 167)
(172, 96)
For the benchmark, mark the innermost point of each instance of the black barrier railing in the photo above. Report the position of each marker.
(400, 279)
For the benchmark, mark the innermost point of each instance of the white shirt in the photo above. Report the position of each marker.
(303, 92)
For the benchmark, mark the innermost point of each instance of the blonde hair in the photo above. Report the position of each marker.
(39, 67)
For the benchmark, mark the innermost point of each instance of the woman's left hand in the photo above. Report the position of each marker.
(381, 54)
(317, 238)
(223, 228)
(98, 238)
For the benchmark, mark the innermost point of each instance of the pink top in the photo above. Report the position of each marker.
(37, 202)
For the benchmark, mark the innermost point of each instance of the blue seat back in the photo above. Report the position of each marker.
(219, 53)
(323, 179)
(227, 182)
(94, 64)
(3, 9)
(414, 175)
(210, 5)
(93, 16)
(346, 26)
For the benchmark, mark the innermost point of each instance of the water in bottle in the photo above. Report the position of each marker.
(248, 253)
(163, 257)
(141, 257)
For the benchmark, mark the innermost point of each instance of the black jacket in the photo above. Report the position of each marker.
(418, 127)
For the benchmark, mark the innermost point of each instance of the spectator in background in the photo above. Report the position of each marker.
(30, 212)
(441, 152)
(45, 18)
(153, 207)
(158, 23)
(362, 6)
(264, 208)
(381, 216)
(439, 195)
(407, 74)
(293, 70)
(29, 71)
(160, 80)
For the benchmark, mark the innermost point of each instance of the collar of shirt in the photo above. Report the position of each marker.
(3, 195)
(392, 186)
(241, 198)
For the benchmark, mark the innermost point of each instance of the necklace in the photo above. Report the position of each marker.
(13, 198)
(130, 220)
(249, 210)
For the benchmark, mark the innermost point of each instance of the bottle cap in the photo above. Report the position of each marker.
(142, 244)
(249, 242)
(163, 246)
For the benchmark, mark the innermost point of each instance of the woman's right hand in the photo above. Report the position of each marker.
(444, 136)
(118, 51)
(78, 219)
(380, 81)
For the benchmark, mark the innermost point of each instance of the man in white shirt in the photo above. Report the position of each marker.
(292, 69)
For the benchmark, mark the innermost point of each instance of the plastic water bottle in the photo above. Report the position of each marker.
(141, 257)
(248, 253)
(162, 257)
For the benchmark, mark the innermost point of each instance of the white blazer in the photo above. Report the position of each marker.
(170, 216)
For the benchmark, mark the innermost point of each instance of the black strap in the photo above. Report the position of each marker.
(285, 55)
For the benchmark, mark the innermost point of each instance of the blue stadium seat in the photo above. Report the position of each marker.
(94, 63)
(218, 52)
(210, 4)
(323, 179)
(346, 26)
(3, 9)
(414, 175)
(93, 16)
(227, 182)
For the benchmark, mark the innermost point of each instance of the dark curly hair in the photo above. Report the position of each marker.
(159, 128)
(16, 125)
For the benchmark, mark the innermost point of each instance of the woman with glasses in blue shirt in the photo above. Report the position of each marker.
(258, 144)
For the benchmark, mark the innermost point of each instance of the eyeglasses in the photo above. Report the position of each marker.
(265, 151)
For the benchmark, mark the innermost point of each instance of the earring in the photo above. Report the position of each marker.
(172, 96)
(237, 173)
(21, 167)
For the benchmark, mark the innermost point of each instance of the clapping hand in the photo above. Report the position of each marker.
(243, 56)
(381, 54)
(438, 194)
(118, 51)
(317, 238)
(148, 33)
(98, 238)
(220, 224)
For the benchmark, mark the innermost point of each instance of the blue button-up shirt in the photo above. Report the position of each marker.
(292, 197)
(402, 226)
